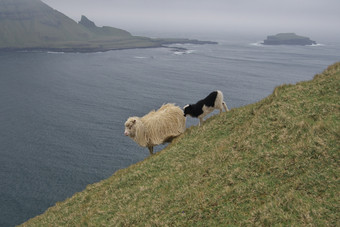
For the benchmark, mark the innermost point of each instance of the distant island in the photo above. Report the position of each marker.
(288, 39)
(31, 25)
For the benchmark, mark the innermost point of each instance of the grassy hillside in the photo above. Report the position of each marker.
(272, 162)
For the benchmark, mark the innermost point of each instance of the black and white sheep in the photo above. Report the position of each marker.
(156, 127)
(205, 106)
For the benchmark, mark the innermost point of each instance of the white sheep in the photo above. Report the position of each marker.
(156, 127)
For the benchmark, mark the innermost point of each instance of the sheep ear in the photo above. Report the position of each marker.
(134, 121)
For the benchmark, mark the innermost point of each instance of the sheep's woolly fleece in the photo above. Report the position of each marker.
(157, 126)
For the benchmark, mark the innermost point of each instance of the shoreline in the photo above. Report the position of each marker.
(156, 43)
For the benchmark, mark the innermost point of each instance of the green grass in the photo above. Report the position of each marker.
(275, 162)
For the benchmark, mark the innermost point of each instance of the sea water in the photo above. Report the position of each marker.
(62, 114)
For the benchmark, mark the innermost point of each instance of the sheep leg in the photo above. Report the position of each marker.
(225, 107)
(201, 121)
(151, 150)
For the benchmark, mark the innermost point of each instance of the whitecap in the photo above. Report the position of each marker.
(140, 57)
(258, 44)
(181, 52)
(178, 52)
(55, 52)
(317, 45)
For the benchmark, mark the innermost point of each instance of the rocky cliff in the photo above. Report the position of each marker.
(288, 39)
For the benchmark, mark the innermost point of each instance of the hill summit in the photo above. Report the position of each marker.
(33, 25)
(275, 162)
(86, 22)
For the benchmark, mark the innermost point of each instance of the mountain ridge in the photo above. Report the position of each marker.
(33, 25)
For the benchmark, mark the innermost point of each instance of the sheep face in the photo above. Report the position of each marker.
(130, 127)
(187, 110)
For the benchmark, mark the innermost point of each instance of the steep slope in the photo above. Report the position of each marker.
(272, 162)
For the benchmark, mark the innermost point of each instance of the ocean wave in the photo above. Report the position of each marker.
(258, 44)
(140, 57)
(181, 52)
(317, 45)
(55, 52)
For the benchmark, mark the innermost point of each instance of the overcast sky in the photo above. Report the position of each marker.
(318, 19)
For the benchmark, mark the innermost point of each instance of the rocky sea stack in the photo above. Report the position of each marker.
(288, 39)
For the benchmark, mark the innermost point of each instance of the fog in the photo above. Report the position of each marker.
(318, 19)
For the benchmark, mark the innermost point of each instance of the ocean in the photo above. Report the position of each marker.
(62, 114)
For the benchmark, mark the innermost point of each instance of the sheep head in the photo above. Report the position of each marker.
(187, 109)
(130, 127)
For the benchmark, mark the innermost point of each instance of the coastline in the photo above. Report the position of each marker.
(154, 43)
